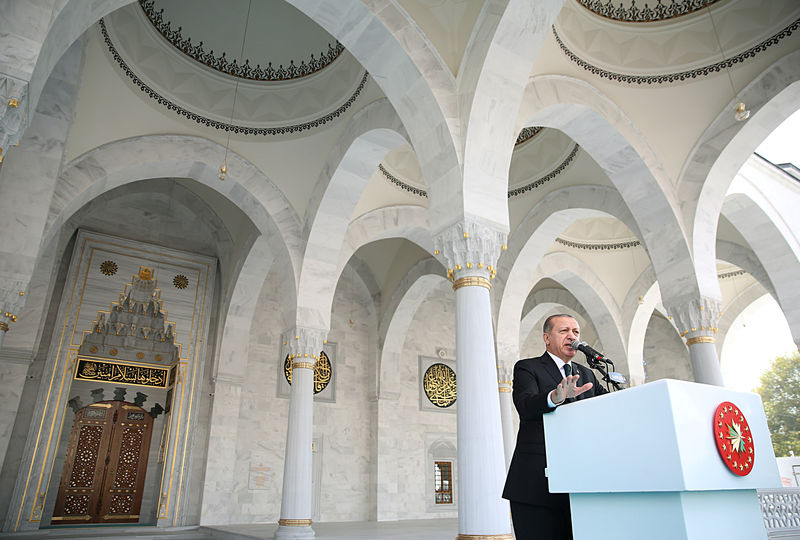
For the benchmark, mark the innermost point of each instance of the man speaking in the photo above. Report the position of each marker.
(540, 385)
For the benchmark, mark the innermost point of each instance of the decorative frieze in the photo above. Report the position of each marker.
(668, 9)
(232, 67)
(225, 126)
(682, 75)
(546, 178)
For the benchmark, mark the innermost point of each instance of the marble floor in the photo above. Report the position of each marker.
(426, 529)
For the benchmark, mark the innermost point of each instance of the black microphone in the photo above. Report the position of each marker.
(588, 351)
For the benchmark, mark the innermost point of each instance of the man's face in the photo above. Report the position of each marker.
(559, 340)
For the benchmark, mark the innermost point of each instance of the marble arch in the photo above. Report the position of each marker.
(545, 302)
(735, 308)
(723, 149)
(592, 294)
(596, 123)
(528, 244)
(580, 201)
(488, 89)
(369, 138)
(745, 259)
(115, 164)
(427, 110)
(751, 214)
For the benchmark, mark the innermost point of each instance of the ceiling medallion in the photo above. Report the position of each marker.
(682, 75)
(439, 383)
(322, 372)
(180, 281)
(225, 126)
(109, 268)
(631, 13)
(733, 438)
(234, 68)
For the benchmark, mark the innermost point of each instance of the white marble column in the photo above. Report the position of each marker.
(304, 346)
(504, 379)
(471, 248)
(697, 322)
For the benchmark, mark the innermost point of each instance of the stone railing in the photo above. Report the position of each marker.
(781, 510)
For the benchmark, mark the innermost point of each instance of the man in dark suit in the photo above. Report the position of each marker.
(540, 385)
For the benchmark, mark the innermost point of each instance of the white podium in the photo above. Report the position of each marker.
(643, 463)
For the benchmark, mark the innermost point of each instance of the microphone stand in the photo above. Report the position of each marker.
(598, 365)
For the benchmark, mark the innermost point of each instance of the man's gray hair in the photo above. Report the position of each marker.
(548, 322)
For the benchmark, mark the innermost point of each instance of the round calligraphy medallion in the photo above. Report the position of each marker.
(733, 438)
(322, 372)
(439, 383)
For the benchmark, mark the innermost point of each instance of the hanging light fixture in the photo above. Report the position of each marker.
(740, 111)
(223, 169)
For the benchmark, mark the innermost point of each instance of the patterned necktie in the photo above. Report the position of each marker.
(567, 370)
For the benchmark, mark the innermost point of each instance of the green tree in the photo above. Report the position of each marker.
(780, 391)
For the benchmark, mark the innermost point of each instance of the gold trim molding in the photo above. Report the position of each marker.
(504, 389)
(700, 339)
(294, 522)
(472, 281)
(484, 537)
(303, 365)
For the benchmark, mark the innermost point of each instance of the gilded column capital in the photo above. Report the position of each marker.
(505, 379)
(304, 344)
(697, 319)
(13, 111)
(470, 249)
(12, 300)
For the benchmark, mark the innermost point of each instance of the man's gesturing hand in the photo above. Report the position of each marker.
(567, 389)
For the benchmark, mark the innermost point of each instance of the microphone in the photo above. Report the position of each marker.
(588, 351)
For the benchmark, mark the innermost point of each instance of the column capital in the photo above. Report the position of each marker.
(505, 378)
(13, 111)
(301, 342)
(12, 300)
(697, 319)
(470, 248)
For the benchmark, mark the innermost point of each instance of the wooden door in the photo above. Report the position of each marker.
(105, 466)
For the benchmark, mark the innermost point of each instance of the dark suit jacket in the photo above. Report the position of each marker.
(534, 378)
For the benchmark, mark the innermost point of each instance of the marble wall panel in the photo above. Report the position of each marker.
(403, 429)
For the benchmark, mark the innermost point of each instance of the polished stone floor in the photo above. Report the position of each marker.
(427, 529)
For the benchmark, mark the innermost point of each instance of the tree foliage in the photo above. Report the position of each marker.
(780, 391)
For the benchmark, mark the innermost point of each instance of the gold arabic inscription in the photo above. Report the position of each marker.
(439, 383)
(98, 370)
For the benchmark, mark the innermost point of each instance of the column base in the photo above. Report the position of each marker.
(289, 529)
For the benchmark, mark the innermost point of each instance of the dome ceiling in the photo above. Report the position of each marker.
(681, 45)
(262, 40)
(198, 90)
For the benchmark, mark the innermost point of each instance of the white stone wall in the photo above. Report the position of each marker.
(404, 485)
(342, 431)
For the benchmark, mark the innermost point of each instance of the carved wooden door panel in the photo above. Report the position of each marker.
(84, 465)
(127, 458)
(105, 465)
